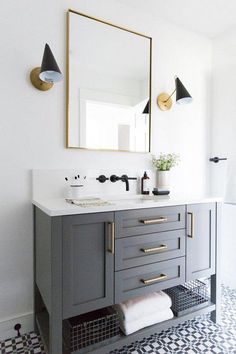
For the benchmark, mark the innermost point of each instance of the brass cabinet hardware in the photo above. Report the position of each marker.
(112, 236)
(192, 227)
(154, 280)
(154, 249)
(154, 221)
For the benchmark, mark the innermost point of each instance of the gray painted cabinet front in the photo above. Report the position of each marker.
(139, 222)
(200, 251)
(130, 283)
(140, 250)
(88, 263)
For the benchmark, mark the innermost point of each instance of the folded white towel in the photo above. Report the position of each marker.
(143, 305)
(129, 327)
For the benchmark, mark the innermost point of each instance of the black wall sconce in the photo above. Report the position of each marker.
(164, 100)
(43, 78)
(146, 109)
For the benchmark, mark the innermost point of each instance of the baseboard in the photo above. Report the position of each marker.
(7, 325)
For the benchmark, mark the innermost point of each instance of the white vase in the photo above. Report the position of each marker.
(163, 179)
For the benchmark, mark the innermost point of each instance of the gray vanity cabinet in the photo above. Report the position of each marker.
(200, 251)
(88, 262)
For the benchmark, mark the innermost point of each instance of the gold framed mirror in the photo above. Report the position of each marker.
(108, 86)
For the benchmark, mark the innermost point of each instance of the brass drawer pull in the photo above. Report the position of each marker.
(112, 237)
(154, 249)
(154, 221)
(192, 229)
(154, 280)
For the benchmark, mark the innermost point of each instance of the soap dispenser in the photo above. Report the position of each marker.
(145, 184)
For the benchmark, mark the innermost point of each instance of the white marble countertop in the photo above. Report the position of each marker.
(59, 206)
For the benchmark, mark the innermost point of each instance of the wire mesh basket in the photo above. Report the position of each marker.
(91, 328)
(188, 297)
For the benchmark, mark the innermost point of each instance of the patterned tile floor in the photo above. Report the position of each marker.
(199, 335)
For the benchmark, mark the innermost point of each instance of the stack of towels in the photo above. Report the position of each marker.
(144, 311)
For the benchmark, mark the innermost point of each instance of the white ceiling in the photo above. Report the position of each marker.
(208, 17)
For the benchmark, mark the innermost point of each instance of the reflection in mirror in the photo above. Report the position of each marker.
(108, 86)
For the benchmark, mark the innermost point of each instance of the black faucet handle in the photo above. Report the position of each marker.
(114, 178)
(102, 178)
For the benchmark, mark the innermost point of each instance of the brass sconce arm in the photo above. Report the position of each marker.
(170, 95)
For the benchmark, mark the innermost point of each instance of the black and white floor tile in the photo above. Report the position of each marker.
(26, 344)
(199, 335)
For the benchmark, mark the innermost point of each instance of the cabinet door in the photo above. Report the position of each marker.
(88, 262)
(200, 252)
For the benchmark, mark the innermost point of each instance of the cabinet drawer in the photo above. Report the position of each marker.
(147, 221)
(145, 279)
(140, 250)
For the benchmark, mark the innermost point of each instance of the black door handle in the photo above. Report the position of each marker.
(217, 159)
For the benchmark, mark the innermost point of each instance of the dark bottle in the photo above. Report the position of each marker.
(145, 184)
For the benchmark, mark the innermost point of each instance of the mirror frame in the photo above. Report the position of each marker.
(68, 82)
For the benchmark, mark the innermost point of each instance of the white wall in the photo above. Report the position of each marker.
(224, 142)
(32, 123)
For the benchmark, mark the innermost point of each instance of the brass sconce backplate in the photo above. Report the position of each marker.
(39, 84)
(164, 101)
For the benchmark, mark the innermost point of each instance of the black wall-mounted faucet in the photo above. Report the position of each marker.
(123, 178)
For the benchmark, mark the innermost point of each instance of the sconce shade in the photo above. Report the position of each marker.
(182, 95)
(44, 77)
(146, 109)
(50, 71)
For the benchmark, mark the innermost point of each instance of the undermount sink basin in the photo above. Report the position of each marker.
(115, 200)
(136, 198)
